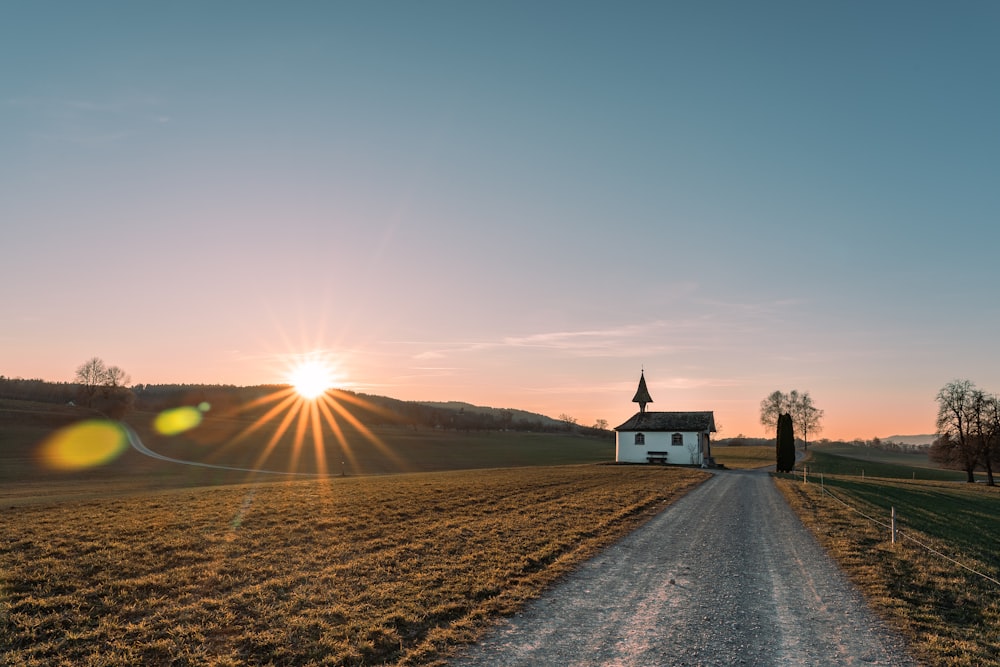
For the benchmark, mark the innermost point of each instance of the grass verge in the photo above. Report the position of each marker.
(950, 615)
(373, 570)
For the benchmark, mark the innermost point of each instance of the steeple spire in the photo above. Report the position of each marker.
(642, 394)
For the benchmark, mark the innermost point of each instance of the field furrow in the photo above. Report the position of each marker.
(346, 571)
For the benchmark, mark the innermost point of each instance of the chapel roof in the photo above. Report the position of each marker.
(670, 421)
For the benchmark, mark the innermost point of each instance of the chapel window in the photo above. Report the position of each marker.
(677, 439)
(640, 438)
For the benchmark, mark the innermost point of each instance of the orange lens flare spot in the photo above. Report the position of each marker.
(177, 420)
(84, 445)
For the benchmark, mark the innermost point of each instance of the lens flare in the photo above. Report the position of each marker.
(306, 407)
(84, 445)
(178, 420)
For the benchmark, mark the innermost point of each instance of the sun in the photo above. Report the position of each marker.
(312, 400)
(311, 379)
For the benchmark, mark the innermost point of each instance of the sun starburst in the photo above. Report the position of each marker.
(310, 378)
(314, 406)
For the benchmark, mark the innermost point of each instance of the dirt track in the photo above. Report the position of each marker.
(726, 576)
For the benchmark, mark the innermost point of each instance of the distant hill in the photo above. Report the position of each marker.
(255, 402)
(922, 440)
(516, 415)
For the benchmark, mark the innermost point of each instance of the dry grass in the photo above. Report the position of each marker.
(389, 570)
(950, 616)
(742, 458)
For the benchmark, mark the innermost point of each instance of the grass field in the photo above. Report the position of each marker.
(344, 571)
(862, 453)
(742, 458)
(869, 462)
(142, 561)
(25, 426)
(951, 616)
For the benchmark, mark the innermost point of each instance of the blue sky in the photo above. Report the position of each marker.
(512, 204)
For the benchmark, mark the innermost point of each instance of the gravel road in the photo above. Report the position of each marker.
(725, 576)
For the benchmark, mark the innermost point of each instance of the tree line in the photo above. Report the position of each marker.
(968, 429)
(104, 389)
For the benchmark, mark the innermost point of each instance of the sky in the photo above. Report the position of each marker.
(513, 204)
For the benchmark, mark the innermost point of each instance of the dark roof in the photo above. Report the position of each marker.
(670, 421)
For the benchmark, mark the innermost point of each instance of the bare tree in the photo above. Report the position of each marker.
(991, 452)
(116, 377)
(985, 429)
(805, 416)
(601, 425)
(773, 407)
(90, 375)
(955, 419)
(103, 388)
(694, 448)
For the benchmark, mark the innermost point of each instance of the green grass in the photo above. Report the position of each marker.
(963, 515)
(951, 616)
(370, 570)
(383, 450)
(874, 463)
(389, 450)
(914, 459)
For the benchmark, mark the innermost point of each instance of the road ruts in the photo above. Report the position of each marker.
(725, 576)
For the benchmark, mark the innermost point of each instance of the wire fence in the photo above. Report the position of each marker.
(898, 534)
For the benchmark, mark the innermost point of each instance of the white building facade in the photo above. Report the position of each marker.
(679, 438)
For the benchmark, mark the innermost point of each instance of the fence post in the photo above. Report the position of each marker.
(894, 525)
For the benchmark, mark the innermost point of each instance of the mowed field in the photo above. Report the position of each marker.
(144, 561)
(353, 571)
(950, 614)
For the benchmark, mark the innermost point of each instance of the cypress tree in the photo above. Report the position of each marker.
(785, 449)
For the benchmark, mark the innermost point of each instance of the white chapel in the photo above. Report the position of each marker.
(680, 438)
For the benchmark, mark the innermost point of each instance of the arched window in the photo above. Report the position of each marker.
(677, 439)
(640, 438)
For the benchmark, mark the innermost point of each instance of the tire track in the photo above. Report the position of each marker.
(139, 446)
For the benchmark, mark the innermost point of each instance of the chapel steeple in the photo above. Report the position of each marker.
(642, 394)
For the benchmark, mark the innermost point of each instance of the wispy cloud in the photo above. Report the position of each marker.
(88, 121)
(700, 329)
(628, 386)
(625, 340)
